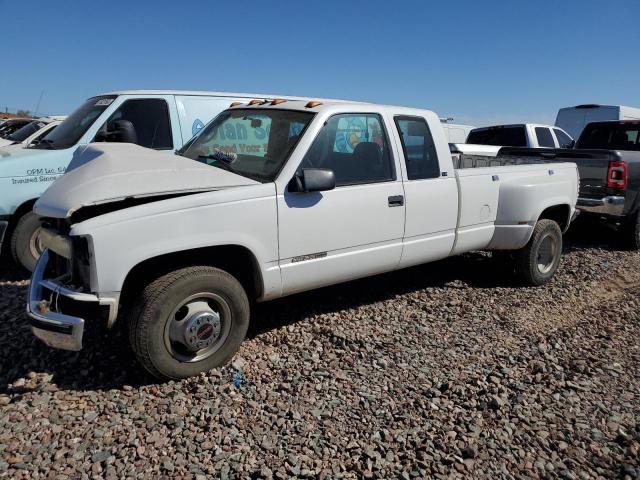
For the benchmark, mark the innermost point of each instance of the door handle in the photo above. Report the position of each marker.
(396, 201)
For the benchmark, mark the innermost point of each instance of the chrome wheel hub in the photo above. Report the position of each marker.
(35, 244)
(547, 254)
(201, 330)
(197, 327)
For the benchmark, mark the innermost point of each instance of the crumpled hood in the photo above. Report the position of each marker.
(103, 173)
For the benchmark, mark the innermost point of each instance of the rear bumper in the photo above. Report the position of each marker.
(613, 205)
(55, 328)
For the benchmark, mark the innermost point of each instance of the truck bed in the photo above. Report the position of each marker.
(592, 165)
(498, 196)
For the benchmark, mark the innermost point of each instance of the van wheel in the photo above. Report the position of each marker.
(631, 232)
(538, 261)
(188, 321)
(26, 246)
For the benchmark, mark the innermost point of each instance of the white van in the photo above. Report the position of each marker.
(574, 119)
(160, 120)
(456, 133)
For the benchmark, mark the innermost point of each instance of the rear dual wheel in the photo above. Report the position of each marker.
(188, 321)
(537, 262)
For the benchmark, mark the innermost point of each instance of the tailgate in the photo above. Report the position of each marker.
(593, 165)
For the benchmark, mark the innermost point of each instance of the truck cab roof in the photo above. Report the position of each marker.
(202, 93)
(328, 106)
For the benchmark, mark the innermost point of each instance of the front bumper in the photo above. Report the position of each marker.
(613, 205)
(46, 314)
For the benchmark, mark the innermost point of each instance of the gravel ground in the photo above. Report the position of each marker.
(445, 370)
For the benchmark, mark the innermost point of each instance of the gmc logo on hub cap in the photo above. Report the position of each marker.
(204, 331)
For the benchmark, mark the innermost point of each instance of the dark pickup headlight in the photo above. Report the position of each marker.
(80, 263)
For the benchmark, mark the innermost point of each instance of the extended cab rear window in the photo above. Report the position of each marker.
(514, 136)
(611, 136)
(419, 150)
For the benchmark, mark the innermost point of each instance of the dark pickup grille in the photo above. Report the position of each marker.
(57, 266)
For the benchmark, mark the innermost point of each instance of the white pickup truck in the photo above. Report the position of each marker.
(270, 199)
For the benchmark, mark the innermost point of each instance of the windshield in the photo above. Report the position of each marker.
(26, 131)
(10, 126)
(253, 142)
(499, 136)
(74, 127)
(611, 136)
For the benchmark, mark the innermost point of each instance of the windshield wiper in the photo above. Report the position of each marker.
(46, 143)
(219, 163)
(221, 156)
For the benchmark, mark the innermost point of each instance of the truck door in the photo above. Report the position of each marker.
(351, 231)
(432, 199)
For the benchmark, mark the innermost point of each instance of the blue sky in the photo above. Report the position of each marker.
(477, 61)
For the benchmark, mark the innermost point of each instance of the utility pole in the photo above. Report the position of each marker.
(35, 112)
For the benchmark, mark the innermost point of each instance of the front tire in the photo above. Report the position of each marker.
(537, 262)
(25, 246)
(188, 321)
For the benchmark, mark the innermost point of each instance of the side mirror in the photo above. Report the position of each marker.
(121, 131)
(313, 180)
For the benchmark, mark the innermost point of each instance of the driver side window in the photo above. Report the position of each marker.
(150, 120)
(355, 147)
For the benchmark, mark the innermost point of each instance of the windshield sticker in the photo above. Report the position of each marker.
(104, 102)
(197, 126)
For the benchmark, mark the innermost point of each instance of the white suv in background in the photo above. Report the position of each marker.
(531, 135)
(31, 133)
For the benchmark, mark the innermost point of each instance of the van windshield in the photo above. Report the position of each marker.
(611, 136)
(69, 132)
(254, 143)
(513, 136)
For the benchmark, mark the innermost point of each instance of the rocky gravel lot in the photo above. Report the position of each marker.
(446, 370)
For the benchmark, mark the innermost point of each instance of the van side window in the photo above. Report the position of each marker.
(150, 119)
(355, 147)
(544, 137)
(564, 140)
(419, 150)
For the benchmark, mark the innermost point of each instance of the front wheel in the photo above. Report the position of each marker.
(26, 246)
(538, 261)
(188, 321)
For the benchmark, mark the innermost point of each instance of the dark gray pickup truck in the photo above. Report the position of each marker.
(608, 159)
